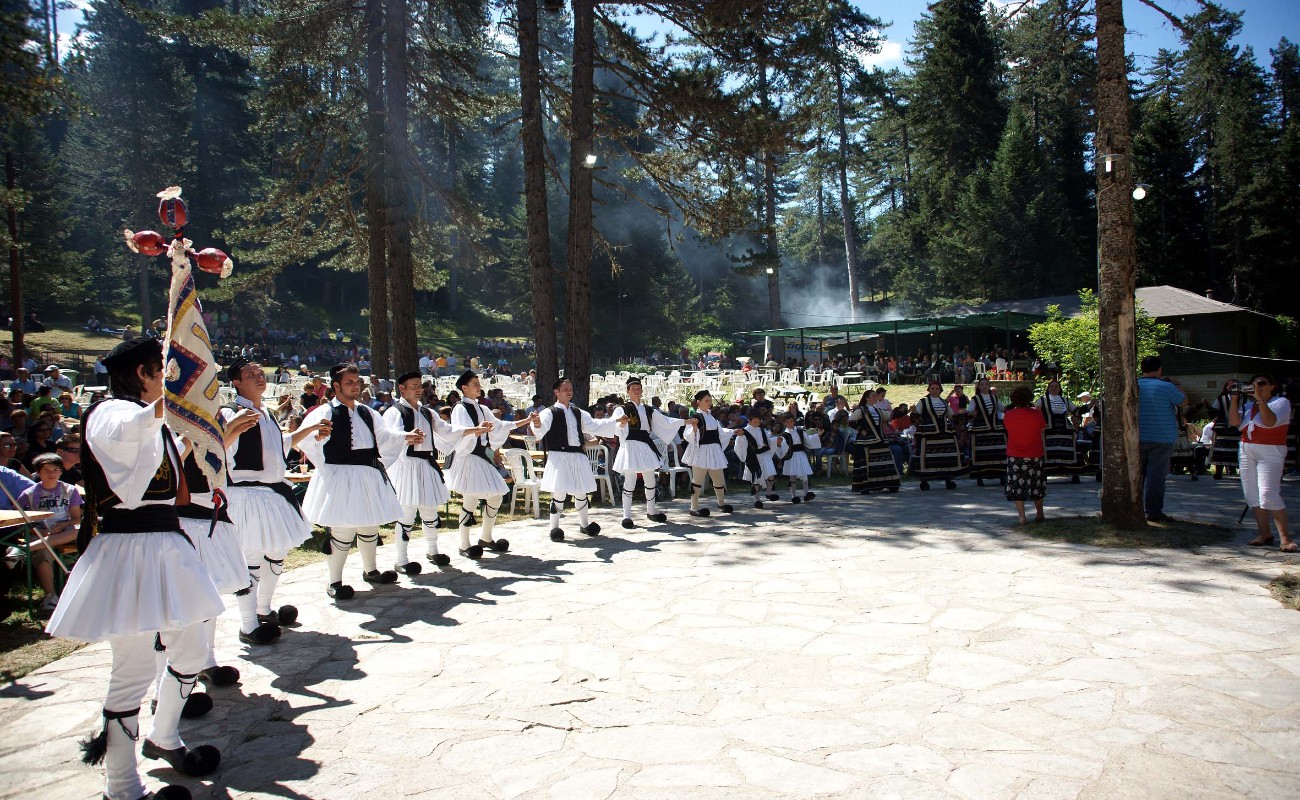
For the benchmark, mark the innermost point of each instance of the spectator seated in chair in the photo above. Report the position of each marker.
(62, 500)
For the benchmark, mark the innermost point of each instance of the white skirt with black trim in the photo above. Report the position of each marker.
(636, 456)
(350, 496)
(417, 483)
(475, 478)
(131, 583)
(220, 553)
(568, 473)
(264, 521)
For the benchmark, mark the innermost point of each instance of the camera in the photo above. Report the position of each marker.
(1242, 388)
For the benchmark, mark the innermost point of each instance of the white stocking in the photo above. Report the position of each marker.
(248, 601)
(367, 542)
(581, 502)
(341, 541)
(274, 563)
(430, 529)
(490, 506)
(557, 509)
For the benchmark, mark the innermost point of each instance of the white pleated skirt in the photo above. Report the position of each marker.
(636, 456)
(417, 483)
(796, 465)
(220, 553)
(709, 456)
(473, 477)
(130, 583)
(568, 473)
(350, 496)
(766, 468)
(264, 521)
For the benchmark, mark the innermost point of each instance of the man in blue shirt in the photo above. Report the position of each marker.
(1159, 399)
(24, 381)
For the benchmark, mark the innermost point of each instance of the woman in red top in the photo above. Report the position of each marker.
(1026, 476)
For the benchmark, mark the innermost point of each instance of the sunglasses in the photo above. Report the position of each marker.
(1263, 382)
(70, 449)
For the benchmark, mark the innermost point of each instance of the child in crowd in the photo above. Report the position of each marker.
(62, 500)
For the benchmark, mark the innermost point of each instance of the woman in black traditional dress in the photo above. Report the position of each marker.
(1063, 457)
(873, 461)
(936, 454)
(988, 437)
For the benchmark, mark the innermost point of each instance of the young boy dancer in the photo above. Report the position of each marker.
(792, 447)
(754, 448)
(415, 472)
(263, 508)
(638, 459)
(562, 430)
(472, 475)
(704, 454)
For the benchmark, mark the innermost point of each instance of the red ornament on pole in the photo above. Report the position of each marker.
(146, 243)
(213, 261)
(172, 209)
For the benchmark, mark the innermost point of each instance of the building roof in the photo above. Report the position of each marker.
(1158, 301)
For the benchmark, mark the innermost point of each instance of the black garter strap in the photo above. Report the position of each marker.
(186, 681)
(272, 563)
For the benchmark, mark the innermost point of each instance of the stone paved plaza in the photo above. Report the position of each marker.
(907, 646)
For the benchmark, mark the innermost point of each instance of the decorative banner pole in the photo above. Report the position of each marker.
(190, 371)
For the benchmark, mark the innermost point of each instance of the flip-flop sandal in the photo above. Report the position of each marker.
(1258, 543)
(1290, 548)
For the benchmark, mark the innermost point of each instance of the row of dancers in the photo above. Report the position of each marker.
(160, 545)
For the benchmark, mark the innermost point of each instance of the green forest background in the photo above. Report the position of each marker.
(752, 139)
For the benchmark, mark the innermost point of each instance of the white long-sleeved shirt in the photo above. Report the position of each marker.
(590, 425)
(389, 442)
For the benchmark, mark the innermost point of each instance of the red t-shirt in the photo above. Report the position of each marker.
(1024, 432)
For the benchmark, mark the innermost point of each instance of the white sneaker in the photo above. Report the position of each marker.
(50, 602)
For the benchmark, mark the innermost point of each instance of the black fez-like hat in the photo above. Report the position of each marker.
(337, 370)
(128, 355)
(634, 379)
(406, 376)
(465, 377)
(236, 368)
(702, 394)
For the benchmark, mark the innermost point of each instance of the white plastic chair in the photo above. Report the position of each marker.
(598, 455)
(525, 483)
(674, 469)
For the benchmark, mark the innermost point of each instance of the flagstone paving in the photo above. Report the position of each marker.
(907, 646)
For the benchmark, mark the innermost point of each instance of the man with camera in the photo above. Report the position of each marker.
(1159, 399)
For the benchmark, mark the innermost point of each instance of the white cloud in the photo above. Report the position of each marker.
(890, 55)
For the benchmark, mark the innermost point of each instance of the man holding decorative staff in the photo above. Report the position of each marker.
(638, 458)
(415, 472)
(472, 475)
(263, 507)
(350, 492)
(562, 430)
(139, 582)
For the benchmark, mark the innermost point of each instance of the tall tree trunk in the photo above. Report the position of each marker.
(1121, 494)
(376, 232)
(846, 201)
(769, 216)
(577, 281)
(15, 264)
(538, 217)
(458, 244)
(401, 262)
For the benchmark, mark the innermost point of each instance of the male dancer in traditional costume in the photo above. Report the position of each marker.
(263, 507)
(792, 446)
(874, 466)
(139, 582)
(472, 475)
(754, 449)
(206, 523)
(638, 458)
(350, 493)
(415, 472)
(704, 454)
(937, 453)
(562, 429)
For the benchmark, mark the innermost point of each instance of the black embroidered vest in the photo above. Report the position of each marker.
(704, 434)
(986, 418)
(338, 448)
(928, 420)
(635, 433)
(795, 447)
(157, 512)
(556, 439)
(480, 447)
(871, 427)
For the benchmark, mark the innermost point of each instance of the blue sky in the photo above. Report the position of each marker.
(1263, 24)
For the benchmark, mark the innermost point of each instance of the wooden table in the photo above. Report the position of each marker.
(293, 476)
(15, 526)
